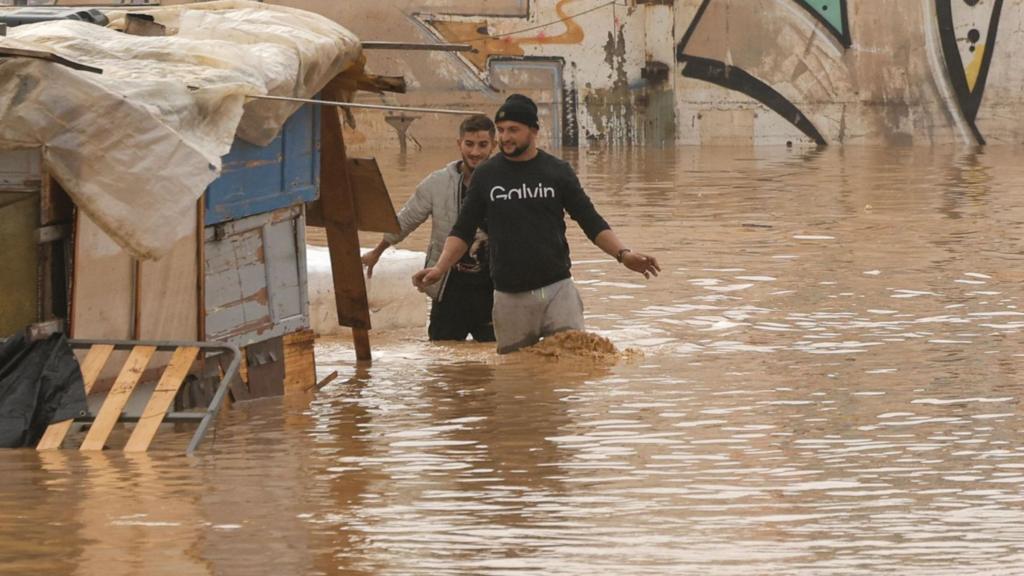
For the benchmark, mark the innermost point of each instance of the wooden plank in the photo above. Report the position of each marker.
(299, 361)
(349, 289)
(200, 270)
(167, 299)
(8, 51)
(103, 287)
(361, 339)
(164, 393)
(93, 364)
(137, 306)
(265, 362)
(118, 397)
(339, 215)
(314, 215)
(374, 210)
(56, 206)
(47, 234)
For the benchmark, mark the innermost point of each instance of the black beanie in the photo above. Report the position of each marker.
(518, 108)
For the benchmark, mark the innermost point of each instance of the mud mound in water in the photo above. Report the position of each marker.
(575, 344)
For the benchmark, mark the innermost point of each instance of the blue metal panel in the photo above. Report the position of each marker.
(258, 179)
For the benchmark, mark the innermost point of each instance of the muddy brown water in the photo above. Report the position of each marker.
(827, 381)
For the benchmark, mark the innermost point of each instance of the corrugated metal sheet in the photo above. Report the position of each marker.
(256, 277)
(260, 179)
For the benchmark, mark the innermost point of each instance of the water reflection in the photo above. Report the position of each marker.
(827, 381)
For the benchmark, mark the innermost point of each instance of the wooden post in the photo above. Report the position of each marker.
(339, 215)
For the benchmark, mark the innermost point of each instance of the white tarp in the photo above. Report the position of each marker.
(137, 145)
(394, 302)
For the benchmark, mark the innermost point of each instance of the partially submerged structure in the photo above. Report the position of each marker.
(149, 191)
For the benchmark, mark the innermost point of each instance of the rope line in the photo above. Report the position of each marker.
(546, 24)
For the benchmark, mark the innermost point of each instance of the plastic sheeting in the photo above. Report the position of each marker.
(136, 146)
(394, 302)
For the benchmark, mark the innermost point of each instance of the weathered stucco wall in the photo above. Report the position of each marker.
(884, 71)
(711, 72)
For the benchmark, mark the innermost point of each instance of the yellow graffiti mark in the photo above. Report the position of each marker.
(573, 32)
(504, 44)
(485, 46)
(974, 67)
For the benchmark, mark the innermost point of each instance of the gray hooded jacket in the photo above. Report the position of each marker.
(437, 198)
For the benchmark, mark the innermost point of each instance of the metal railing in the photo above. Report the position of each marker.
(205, 418)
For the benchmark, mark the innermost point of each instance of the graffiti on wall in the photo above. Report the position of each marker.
(832, 14)
(967, 36)
(735, 78)
(889, 70)
(489, 45)
(500, 56)
(967, 32)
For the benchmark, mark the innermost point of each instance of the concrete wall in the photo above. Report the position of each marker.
(710, 72)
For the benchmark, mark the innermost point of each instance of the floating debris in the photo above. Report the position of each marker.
(576, 344)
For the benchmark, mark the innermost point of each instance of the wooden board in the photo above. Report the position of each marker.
(255, 278)
(103, 291)
(164, 393)
(91, 368)
(299, 361)
(336, 201)
(118, 397)
(374, 209)
(167, 295)
(265, 367)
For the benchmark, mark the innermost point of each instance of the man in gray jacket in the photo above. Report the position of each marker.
(462, 300)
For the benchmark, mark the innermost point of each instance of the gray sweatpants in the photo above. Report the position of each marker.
(521, 319)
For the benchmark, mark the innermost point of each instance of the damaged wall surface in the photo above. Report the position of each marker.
(711, 72)
(881, 72)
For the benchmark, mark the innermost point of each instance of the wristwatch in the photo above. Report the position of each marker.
(622, 253)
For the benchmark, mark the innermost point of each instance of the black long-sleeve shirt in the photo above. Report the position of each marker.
(524, 205)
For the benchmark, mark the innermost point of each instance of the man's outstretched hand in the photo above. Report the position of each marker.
(425, 278)
(370, 260)
(642, 263)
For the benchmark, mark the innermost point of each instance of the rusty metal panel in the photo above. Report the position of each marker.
(256, 277)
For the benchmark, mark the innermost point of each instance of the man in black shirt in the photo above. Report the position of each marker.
(523, 195)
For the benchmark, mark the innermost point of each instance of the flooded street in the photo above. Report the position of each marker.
(826, 379)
